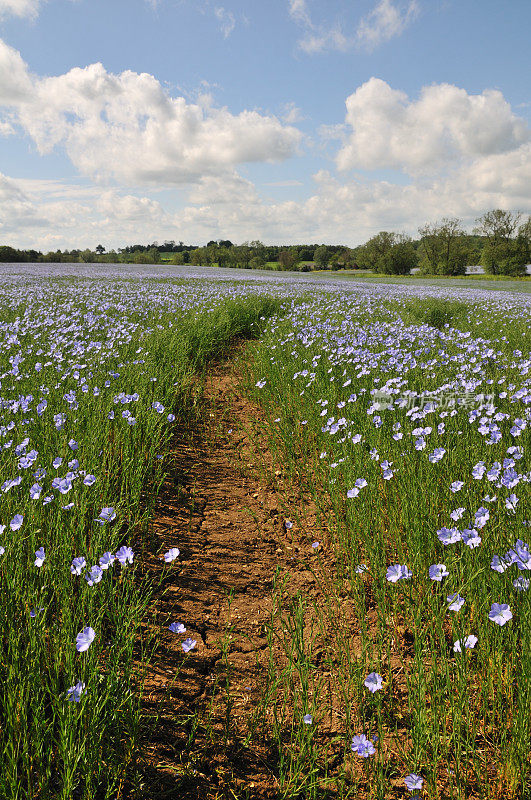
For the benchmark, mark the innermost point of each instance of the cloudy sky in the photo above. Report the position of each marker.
(283, 120)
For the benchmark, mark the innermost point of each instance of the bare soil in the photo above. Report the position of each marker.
(220, 508)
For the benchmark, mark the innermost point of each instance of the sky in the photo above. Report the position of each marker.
(287, 121)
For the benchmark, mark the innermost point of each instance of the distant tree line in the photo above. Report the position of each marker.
(500, 242)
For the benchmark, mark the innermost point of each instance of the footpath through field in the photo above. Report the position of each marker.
(221, 510)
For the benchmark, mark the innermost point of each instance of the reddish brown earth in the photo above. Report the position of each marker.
(220, 505)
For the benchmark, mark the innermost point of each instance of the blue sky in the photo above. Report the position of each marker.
(285, 120)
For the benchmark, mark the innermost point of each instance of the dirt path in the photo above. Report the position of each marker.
(226, 518)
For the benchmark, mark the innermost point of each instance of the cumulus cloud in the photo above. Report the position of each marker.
(113, 205)
(384, 22)
(216, 191)
(19, 8)
(345, 211)
(15, 82)
(17, 211)
(506, 176)
(445, 125)
(126, 127)
(48, 214)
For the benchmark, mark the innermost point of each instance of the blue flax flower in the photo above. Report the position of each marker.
(106, 560)
(16, 522)
(125, 555)
(78, 565)
(456, 602)
(373, 682)
(362, 746)
(177, 627)
(469, 643)
(94, 575)
(413, 781)
(500, 613)
(397, 572)
(106, 514)
(75, 692)
(84, 639)
(437, 572)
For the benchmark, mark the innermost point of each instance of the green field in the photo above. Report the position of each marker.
(497, 283)
(400, 423)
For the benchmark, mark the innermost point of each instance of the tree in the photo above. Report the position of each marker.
(9, 254)
(444, 249)
(370, 254)
(524, 234)
(505, 252)
(387, 252)
(322, 256)
(306, 253)
(197, 257)
(223, 256)
(242, 255)
(100, 249)
(342, 259)
(288, 257)
(400, 258)
(498, 225)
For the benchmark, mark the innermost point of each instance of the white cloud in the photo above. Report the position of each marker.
(504, 175)
(19, 8)
(222, 191)
(48, 214)
(284, 184)
(292, 113)
(317, 38)
(227, 21)
(384, 22)
(348, 212)
(299, 12)
(126, 127)
(327, 39)
(115, 206)
(6, 129)
(387, 20)
(444, 126)
(15, 82)
(17, 211)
